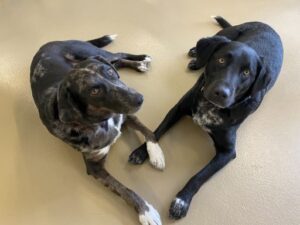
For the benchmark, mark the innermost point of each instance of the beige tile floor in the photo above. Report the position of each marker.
(43, 181)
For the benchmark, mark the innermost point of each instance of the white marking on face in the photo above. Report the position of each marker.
(156, 155)
(150, 217)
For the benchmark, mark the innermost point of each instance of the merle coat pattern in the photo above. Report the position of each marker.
(241, 63)
(82, 101)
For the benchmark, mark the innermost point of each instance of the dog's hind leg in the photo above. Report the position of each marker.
(140, 66)
(153, 149)
(132, 57)
(147, 214)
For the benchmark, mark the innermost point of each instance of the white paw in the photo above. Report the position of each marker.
(156, 155)
(147, 59)
(112, 36)
(150, 217)
(143, 66)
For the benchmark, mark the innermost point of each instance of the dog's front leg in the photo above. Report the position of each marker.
(139, 155)
(225, 151)
(147, 214)
(153, 149)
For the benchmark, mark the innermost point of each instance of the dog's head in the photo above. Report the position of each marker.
(92, 92)
(233, 70)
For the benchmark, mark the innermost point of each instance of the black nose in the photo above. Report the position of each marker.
(140, 100)
(222, 92)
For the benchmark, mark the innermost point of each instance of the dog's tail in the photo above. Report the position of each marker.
(103, 41)
(221, 21)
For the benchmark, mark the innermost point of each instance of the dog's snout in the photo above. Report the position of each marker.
(222, 92)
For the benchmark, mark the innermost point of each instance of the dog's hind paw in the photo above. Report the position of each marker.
(156, 155)
(178, 209)
(150, 216)
(143, 66)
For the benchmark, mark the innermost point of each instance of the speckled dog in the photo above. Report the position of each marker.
(241, 64)
(82, 101)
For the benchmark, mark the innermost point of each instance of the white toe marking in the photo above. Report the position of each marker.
(112, 36)
(156, 155)
(179, 202)
(150, 217)
(213, 17)
(143, 66)
(147, 59)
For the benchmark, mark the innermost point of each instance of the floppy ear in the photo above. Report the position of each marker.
(68, 110)
(205, 48)
(262, 79)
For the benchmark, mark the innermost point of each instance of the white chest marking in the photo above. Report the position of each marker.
(117, 126)
(207, 117)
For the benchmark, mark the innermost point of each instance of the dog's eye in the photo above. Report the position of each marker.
(221, 60)
(96, 92)
(246, 72)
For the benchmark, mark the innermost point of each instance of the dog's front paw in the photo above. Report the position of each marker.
(150, 216)
(178, 209)
(156, 155)
(139, 155)
(143, 66)
(192, 52)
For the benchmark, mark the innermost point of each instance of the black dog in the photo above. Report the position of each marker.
(82, 101)
(241, 64)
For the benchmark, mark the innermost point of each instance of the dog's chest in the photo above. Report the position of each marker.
(116, 124)
(207, 115)
(88, 139)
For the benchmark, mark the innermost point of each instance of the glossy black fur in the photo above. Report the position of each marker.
(262, 51)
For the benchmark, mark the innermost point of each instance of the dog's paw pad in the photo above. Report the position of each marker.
(150, 216)
(178, 209)
(137, 157)
(156, 155)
